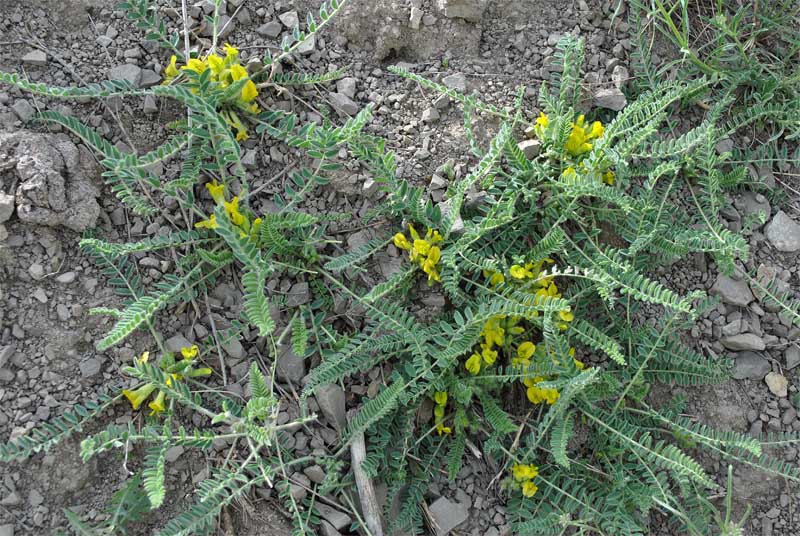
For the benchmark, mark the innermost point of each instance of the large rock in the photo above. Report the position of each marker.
(331, 402)
(469, 10)
(447, 515)
(732, 291)
(56, 179)
(290, 367)
(750, 366)
(128, 72)
(784, 233)
(612, 99)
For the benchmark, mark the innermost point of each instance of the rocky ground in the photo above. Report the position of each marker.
(50, 194)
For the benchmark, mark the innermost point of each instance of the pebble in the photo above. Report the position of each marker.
(732, 291)
(447, 515)
(430, 115)
(784, 233)
(750, 366)
(530, 148)
(331, 401)
(335, 517)
(743, 341)
(128, 72)
(90, 367)
(777, 383)
(35, 57)
(469, 10)
(298, 295)
(6, 206)
(792, 356)
(270, 29)
(66, 278)
(175, 343)
(7, 529)
(289, 19)
(343, 104)
(456, 81)
(612, 99)
(36, 270)
(290, 367)
(150, 105)
(40, 295)
(24, 110)
(347, 86)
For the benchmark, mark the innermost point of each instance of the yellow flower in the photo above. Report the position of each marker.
(195, 65)
(550, 396)
(473, 364)
(231, 53)
(171, 70)
(217, 191)
(241, 135)
(495, 278)
(144, 358)
(493, 333)
(608, 178)
(216, 63)
(442, 429)
(421, 247)
(210, 223)
(249, 91)
(414, 233)
(157, 405)
(519, 272)
(578, 364)
(525, 350)
(438, 412)
(529, 489)
(136, 397)
(596, 130)
(542, 120)
(433, 236)
(190, 352)
(429, 266)
(401, 241)
(440, 397)
(566, 316)
(524, 472)
(232, 210)
(489, 355)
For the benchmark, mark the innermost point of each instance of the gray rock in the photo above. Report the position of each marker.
(530, 148)
(612, 99)
(347, 86)
(438, 182)
(732, 291)
(326, 529)
(415, 18)
(56, 179)
(331, 401)
(35, 57)
(744, 341)
(308, 45)
(469, 10)
(7, 529)
(750, 366)
(750, 203)
(6, 353)
(90, 367)
(173, 453)
(40, 295)
(447, 515)
(620, 76)
(777, 383)
(289, 19)
(6, 206)
(234, 348)
(724, 145)
(36, 270)
(290, 367)
(24, 110)
(66, 278)
(343, 104)
(150, 78)
(315, 474)
(298, 295)
(792, 356)
(784, 233)
(128, 72)
(226, 26)
(35, 497)
(150, 105)
(456, 81)
(175, 343)
(270, 29)
(430, 115)
(336, 518)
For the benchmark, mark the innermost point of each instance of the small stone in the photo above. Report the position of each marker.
(36, 270)
(249, 160)
(62, 312)
(90, 367)
(792, 356)
(226, 26)
(40, 295)
(175, 343)
(447, 515)
(732, 291)
(35, 57)
(750, 366)
(7, 529)
(233, 347)
(104, 41)
(173, 453)
(12, 499)
(149, 78)
(6, 206)
(331, 401)
(469, 10)
(270, 29)
(777, 383)
(326, 529)
(784, 233)
(530, 148)
(620, 76)
(66, 278)
(35, 498)
(128, 72)
(335, 517)
(150, 105)
(612, 99)
(308, 45)
(347, 87)
(415, 18)
(315, 474)
(290, 367)
(298, 295)
(430, 115)
(724, 145)
(343, 104)
(744, 341)
(6, 353)
(438, 182)
(456, 81)
(289, 19)
(24, 110)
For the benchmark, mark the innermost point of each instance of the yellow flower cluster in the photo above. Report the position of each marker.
(440, 397)
(175, 372)
(523, 477)
(225, 71)
(246, 228)
(494, 338)
(422, 251)
(578, 143)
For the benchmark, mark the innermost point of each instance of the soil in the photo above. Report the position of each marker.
(47, 284)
